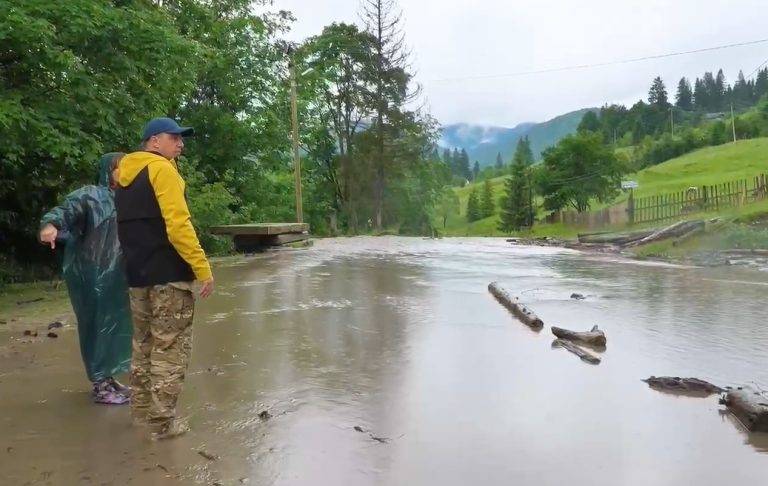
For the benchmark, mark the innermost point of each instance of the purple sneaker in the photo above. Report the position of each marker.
(104, 392)
(116, 386)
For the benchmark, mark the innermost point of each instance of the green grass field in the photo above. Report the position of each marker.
(708, 166)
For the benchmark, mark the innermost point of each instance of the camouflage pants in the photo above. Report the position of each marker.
(162, 342)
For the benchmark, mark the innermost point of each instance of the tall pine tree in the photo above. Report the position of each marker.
(499, 162)
(761, 83)
(473, 206)
(523, 152)
(487, 205)
(700, 98)
(515, 204)
(476, 171)
(464, 170)
(684, 97)
(657, 95)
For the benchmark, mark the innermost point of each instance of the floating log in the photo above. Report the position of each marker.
(614, 238)
(683, 386)
(513, 304)
(750, 407)
(584, 355)
(595, 337)
(673, 231)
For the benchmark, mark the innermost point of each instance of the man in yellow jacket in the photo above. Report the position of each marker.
(163, 259)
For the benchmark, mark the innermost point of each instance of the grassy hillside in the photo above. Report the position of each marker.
(707, 166)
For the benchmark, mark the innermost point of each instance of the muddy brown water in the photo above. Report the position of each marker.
(400, 338)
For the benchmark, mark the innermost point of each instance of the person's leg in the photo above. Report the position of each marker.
(141, 382)
(172, 313)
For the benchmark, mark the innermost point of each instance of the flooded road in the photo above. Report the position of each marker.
(400, 338)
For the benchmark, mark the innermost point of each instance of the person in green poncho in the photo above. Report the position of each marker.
(93, 269)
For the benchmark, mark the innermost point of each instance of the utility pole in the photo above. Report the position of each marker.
(733, 124)
(672, 119)
(295, 137)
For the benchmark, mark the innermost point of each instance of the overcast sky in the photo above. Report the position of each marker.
(465, 38)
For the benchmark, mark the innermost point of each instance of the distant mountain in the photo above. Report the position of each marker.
(482, 143)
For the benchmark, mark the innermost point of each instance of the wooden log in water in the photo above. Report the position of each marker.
(677, 385)
(673, 231)
(595, 337)
(750, 407)
(614, 238)
(581, 353)
(513, 304)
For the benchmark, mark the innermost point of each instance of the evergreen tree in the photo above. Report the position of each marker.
(657, 95)
(487, 205)
(761, 83)
(456, 163)
(741, 93)
(589, 122)
(448, 159)
(499, 162)
(473, 206)
(463, 165)
(515, 204)
(700, 101)
(684, 97)
(476, 171)
(523, 152)
(719, 97)
(710, 100)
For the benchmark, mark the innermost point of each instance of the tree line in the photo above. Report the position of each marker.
(79, 78)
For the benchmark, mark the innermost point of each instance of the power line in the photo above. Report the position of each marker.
(758, 68)
(601, 64)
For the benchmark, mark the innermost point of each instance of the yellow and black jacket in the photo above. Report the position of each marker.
(154, 224)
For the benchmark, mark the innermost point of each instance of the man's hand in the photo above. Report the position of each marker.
(48, 235)
(207, 288)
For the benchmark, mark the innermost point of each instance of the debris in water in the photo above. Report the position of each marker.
(358, 428)
(30, 333)
(675, 384)
(750, 406)
(160, 466)
(576, 296)
(55, 325)
(52, 335)
(265, 415)
(584, 355)
(382, 440)
(208, 455)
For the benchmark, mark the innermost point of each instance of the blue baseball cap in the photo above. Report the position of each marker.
(165, 125)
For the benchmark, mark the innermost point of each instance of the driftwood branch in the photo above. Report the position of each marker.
(584, 355)
(513, 304)
(750, 407)
(595, 337)
(674, 231)
(683, 386)
(614, 238)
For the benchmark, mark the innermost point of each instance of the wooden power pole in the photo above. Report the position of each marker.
(295, 137)
(733, 124)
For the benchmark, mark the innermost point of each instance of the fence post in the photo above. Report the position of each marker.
(631, 206)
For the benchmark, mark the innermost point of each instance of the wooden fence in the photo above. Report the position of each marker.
(678, 205)
(671, 206)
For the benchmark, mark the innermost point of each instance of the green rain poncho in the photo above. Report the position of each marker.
(93, 271)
